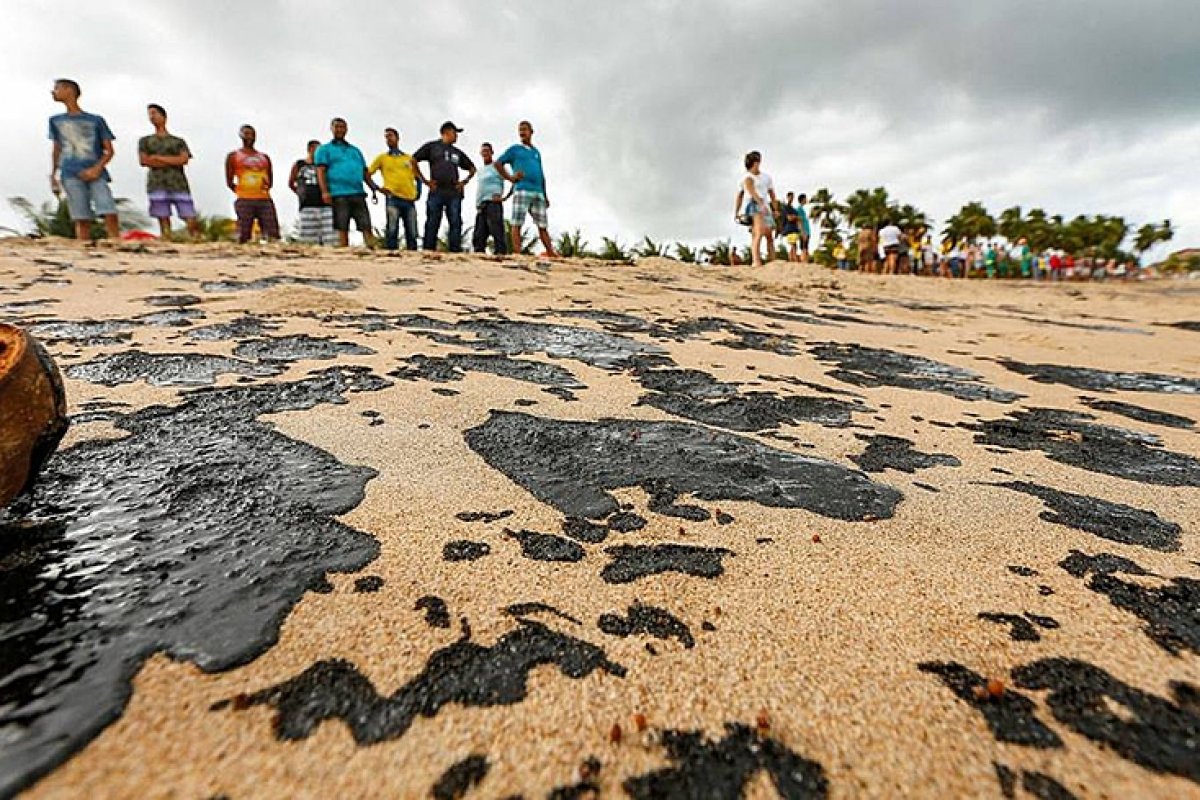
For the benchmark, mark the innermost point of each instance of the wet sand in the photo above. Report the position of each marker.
(355, 525)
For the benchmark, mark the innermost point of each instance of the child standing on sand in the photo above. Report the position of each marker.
(759, 186)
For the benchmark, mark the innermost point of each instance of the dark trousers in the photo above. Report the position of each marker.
(248, 211)
(398, 210)
(451, 204)
(489, 222)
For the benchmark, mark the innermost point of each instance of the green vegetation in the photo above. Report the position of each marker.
(52, 218)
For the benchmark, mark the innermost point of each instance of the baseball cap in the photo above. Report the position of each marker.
(448, 124)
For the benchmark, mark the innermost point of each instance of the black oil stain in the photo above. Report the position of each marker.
(231, 285)
(300, 347)
(436, 613)
(1021, 627)
(1043, 787)
(1139, 726)
(1098, 380)
(1171, 611)
(702, 767)
(108, 332)
(658, 622)
(465, 550)
(461, 778)
(1010, 716)
(1186, 325)
(872, 367)
(1140, 413)
(368, 584)
(600, 349)
(1007, 780)
(486, 517)
(166, 369)
(893, 452)
(525, 609)
(662, 500)
(545, 546)
(573, 466)
(1069, 438)
(696, 395)
(626, 522)
(584, 530)
(463, 673)
(455, 367)
(631, 562)
(194, 535)
(1113, 521)
(446, 392)
(171, 300)
(243, 327)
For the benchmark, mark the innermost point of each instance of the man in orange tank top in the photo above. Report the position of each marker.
(249, 175)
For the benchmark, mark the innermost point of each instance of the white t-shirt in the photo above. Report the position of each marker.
(890, 236)
(762, 184)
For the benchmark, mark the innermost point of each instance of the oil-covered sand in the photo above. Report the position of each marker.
(353, 525)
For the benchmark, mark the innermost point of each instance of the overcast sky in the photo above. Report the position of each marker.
(644, 109)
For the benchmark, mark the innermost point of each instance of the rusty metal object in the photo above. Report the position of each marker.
(33, 410)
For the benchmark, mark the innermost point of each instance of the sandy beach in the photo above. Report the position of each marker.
(350, 525)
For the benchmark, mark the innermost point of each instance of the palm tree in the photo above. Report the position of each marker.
(1011, 223)
(869, 208)
(971, 222)
(688, 255)
(572, 245)
(52, 218)
(825, 211)
(649, 249)
(718, 252)
(612, 250)
(215, 228)
(912, 219)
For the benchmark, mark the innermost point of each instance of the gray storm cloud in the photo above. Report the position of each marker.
(1065, 104)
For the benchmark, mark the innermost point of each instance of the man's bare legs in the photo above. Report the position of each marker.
(112, 228)
(544, 235)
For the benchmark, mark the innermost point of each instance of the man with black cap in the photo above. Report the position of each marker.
(445, 188)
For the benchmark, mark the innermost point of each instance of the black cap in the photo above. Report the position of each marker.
(447, 125)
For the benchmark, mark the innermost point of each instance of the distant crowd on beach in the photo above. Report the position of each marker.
(890, 250)
(330, 183)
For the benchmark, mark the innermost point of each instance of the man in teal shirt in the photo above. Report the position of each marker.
(529, 193)
(341, 172)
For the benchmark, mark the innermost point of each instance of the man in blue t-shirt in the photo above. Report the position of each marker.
(341, 173)
(529, 193)
(82, 149)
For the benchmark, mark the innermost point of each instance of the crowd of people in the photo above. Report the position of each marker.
(889, 250)
(330, 183)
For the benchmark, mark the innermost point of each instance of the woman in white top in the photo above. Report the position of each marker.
(759, 186)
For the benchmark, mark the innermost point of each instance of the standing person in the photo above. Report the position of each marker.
(868, 249)
(342, 171)
(399, 172)
(489, 206)
(83, 146)
(529, 188)
(890, 239)
(759, 186)
(804, 225)
(839, 255)
(445, 188)
(316, 216)
(791, 226)
(250, 175)
(164, 157)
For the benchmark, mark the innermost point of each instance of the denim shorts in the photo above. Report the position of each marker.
(752, 208)
(88, 200)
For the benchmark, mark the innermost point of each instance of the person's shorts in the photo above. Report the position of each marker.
(793, 238)
(531, 203)
(161, 202)
(768, 218)
(351, 207)
(87, 200)
(891, 250)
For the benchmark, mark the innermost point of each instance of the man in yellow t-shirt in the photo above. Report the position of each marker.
(400, 186)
